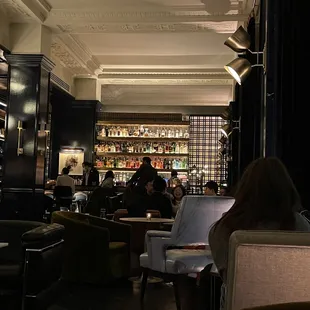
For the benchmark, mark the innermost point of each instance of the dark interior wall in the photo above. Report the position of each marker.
(73, 125)
(288, 89)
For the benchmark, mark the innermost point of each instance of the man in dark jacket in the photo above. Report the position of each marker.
(145, 173)
(91, 175)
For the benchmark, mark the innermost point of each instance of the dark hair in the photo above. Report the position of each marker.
(212, 185)
(87, 164)
(109, 174)
(147, 160)
(159, 184)
(265, 193)
(174, 173)
(66, 170)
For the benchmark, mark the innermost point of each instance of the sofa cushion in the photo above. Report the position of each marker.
(119, 256)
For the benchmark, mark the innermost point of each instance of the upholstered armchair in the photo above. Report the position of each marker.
(287, 306)
(96, 250)
(185, 249)
(267, 267)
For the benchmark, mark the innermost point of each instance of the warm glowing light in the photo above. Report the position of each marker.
(233, 73)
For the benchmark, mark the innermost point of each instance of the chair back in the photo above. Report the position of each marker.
(154, 213)
(267, 267)
(196, 216)
(97, 201)
(63, 192)
(114, 203)
(119, 214)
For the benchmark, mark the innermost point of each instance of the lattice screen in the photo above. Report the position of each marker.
(206, 161)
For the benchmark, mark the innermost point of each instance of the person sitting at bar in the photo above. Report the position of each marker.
(143, 174)
(65, 180)
(91, 175)
(211, 188)
(159, 201)
(108, 180)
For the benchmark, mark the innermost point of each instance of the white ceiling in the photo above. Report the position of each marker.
(144, 52)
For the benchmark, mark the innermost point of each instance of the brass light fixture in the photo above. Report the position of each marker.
(240, 68)
(240, 41)
(227, 129)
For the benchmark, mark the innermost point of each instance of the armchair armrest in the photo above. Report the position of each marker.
(157, 243)
(158, 234)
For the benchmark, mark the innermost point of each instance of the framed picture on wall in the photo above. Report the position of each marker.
(73, 158)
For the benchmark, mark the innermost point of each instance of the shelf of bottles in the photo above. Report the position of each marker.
(121, 147)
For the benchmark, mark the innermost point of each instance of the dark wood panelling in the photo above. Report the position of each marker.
(23, 177)
(73, 125)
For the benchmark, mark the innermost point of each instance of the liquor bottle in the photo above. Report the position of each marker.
(177, 148)
(177, 133)
(141, 131)
(186, 134)
(181, 133)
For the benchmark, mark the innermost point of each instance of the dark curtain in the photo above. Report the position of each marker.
(287, 89)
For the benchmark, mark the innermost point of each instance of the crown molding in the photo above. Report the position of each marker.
(219, 27)
(15, 10)
(25, 11)
(104, 16)
(161, 82)
(74, 55)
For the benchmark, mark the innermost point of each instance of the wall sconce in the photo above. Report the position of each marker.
(227, 129)
(20, 149)
(240, 68)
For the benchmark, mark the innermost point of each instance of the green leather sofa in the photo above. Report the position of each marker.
(96, 250)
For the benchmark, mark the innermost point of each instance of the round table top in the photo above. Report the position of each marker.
(145, 220)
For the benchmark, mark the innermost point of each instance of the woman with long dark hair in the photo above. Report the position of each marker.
(266, 199)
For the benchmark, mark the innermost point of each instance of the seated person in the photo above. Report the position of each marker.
(178, 193)
(65, 180)
(137, 198)
(211, 188)
(266, 199)
(159, 201)
(108, 180)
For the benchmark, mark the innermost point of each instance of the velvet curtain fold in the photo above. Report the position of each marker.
(287, 89)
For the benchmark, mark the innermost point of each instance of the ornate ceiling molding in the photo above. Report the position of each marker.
(74, 55)
(159, 82)
(15, 9)
(123, 17)
(20, 11)
(219, 27)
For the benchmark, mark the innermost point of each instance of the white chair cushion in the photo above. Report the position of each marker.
(185, 261)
